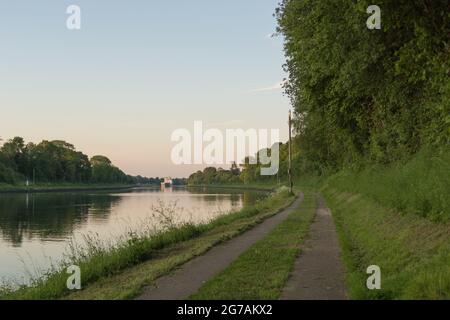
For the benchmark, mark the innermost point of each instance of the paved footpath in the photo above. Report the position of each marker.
(318, 272)
(186, 280)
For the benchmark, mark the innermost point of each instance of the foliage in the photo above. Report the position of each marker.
(372, 107)
(58, 162)
(378, 95)
(104, 172)
(212, 175)
(419, 185)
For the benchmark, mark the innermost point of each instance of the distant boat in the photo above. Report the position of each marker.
(167, 183)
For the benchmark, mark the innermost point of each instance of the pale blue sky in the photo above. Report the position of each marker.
(136, 71)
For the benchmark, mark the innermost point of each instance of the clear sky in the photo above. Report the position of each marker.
(135, 72)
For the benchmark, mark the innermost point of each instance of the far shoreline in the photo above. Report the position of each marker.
(249, 187)
(11, 189)
(63, 188)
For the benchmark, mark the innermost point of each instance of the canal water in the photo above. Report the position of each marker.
(36, 229)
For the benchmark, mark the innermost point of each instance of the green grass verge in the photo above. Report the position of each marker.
(413, 252)
(420, 185)
(120, 271)
(240, 186)
(396, 217)
(262, 271)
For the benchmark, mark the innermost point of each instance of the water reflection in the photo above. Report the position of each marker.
(31, 224)
(49, 215)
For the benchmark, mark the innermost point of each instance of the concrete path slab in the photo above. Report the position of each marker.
(318, 272)
(186, 280)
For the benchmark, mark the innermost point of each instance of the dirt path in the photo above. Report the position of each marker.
(318, 272)
(186, 280)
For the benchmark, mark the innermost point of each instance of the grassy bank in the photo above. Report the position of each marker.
(396, 217)
(419, 186)
(119, 271)
(262, 271)
(239, 186)
(412, 252)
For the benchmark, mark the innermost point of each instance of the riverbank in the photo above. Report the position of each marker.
(412, 252)
(41, 188)
(398, 218)
(190, 277)
(394, 217)
(142, 256)
(238, 186)
(261, 272)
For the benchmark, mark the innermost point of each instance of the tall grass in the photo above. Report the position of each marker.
(97, 258)
(396, 217)
(420, 185)
(413, 252)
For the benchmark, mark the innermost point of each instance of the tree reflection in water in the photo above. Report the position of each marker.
(50, 216)
(36, 227)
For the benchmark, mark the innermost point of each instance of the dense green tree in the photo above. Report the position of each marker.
(212, 175)
(59, 162)
(376, 95)
(104, 172)
(98, 160)
(13, 152)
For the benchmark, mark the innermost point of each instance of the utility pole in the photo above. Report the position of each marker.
(291, 183)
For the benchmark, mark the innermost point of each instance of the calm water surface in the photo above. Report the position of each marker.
(35, 229)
